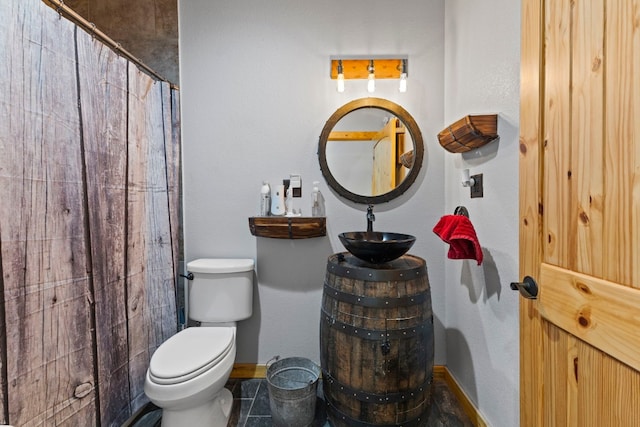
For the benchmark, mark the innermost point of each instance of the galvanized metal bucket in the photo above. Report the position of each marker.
(292, 384)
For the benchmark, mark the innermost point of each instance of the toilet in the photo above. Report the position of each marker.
(187, 373)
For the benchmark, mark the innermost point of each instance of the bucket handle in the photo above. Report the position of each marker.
(273, 360)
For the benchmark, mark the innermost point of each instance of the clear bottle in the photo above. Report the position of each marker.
(265, 199)
(317, 201)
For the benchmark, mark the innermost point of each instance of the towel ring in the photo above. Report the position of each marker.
(461, 210)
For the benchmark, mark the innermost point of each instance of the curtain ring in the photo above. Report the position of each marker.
(59, 8)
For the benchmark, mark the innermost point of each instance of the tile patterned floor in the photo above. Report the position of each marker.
(251, 407)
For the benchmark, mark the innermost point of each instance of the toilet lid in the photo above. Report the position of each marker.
(189, 353)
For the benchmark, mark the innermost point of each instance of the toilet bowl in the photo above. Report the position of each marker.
(187, 374)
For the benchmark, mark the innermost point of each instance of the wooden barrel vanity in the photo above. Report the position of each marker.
(376, 341)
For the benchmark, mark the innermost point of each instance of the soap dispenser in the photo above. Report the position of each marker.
(317, 201)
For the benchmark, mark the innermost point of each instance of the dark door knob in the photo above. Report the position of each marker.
(528, 287)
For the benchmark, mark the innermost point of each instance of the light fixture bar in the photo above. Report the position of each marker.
(385, 68)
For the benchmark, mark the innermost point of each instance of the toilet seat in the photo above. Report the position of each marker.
(189, 353)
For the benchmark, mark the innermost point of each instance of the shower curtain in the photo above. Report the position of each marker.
(89, 227)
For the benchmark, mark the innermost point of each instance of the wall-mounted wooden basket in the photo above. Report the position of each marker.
(469, 132)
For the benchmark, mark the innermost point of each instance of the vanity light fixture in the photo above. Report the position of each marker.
(340, 78)
(369, 68)
(403, 77)
(371, 78)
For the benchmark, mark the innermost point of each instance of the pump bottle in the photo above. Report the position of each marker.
(317, 201)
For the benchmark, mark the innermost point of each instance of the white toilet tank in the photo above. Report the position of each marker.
(221, 289)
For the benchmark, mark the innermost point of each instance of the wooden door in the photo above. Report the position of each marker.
(384, 159)
(580, 212)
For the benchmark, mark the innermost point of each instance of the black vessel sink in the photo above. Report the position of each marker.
(376, 247)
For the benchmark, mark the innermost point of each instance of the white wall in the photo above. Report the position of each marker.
(256, 93)
(482, 51)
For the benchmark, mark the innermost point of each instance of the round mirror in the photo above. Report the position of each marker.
(370, 150)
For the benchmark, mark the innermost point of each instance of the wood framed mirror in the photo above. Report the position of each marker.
(370, 150)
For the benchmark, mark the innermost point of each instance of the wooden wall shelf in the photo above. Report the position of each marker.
(282, 227)
(469, 132)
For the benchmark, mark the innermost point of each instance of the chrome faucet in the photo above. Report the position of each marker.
(370, 218)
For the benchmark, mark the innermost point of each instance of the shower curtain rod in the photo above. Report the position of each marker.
(73, 16)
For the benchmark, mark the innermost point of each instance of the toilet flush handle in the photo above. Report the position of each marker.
(188, 276)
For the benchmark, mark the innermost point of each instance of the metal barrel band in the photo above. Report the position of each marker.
(290, 224)
(376, 275)
(377, 398)
(377, 334)
(339, 415)
(376, 302)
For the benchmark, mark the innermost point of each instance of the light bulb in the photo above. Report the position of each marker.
(403, 83)
(371, 80)
(340, 83)
(371, 83)
(340, 80)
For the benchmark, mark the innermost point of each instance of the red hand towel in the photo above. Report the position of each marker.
(458, 232)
